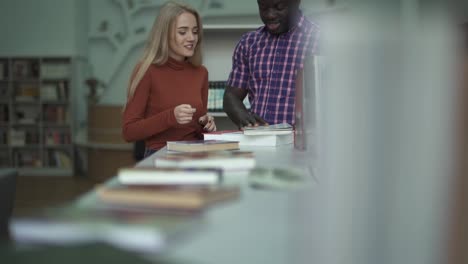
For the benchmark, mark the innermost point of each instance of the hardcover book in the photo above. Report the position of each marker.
(169, 176)
(277, 129)
(226, 160)
(181, 197)
(202, 145)
(251, 140)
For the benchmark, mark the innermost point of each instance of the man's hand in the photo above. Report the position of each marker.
(235, 108)
(208, 123)
(243, 118)
(184, 113)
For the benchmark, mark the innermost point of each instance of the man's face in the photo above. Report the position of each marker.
(277, 14)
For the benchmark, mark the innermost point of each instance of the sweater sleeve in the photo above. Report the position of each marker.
(135, 125)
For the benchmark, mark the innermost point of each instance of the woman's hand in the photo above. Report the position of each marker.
(208, 123)
(184, 113)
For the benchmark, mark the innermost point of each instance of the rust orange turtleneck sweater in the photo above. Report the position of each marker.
(149, 115)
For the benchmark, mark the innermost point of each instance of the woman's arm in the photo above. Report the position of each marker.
(135, 126)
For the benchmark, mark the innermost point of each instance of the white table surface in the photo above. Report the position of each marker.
(262, 226)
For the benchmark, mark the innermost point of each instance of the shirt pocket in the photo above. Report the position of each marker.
(261, 75)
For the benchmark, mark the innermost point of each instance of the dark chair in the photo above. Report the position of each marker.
(139, 150)
(7, 198)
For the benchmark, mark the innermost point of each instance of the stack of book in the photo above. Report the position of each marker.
(144, 214)
(187, 179)
(202, 145)
(167, 190)
(277, 129)
(268, 136)
(174, 199)
(225, 160)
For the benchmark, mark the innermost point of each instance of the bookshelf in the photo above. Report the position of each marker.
(35, 115)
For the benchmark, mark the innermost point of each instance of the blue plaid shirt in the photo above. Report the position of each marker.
(267, 65)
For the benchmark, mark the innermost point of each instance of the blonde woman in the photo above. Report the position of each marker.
(168, 92)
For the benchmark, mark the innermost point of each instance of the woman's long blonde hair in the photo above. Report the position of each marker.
(157, 47)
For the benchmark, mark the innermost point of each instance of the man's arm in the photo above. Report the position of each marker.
(235, 109)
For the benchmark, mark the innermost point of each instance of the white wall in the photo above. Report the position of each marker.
(39, 28)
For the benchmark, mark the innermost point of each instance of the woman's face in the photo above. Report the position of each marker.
(184, 38)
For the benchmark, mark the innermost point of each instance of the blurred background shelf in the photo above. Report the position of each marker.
(36, 115)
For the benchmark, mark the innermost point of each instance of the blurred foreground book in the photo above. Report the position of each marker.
(169, 176)
(202, 145)
(128, 230)
(177, 197)
(226, 160)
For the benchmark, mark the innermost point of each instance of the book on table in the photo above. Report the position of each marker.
(276, 129)
(225, 160)
(169, 176)
(175, 197)
(251, 140)
(202, 145)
